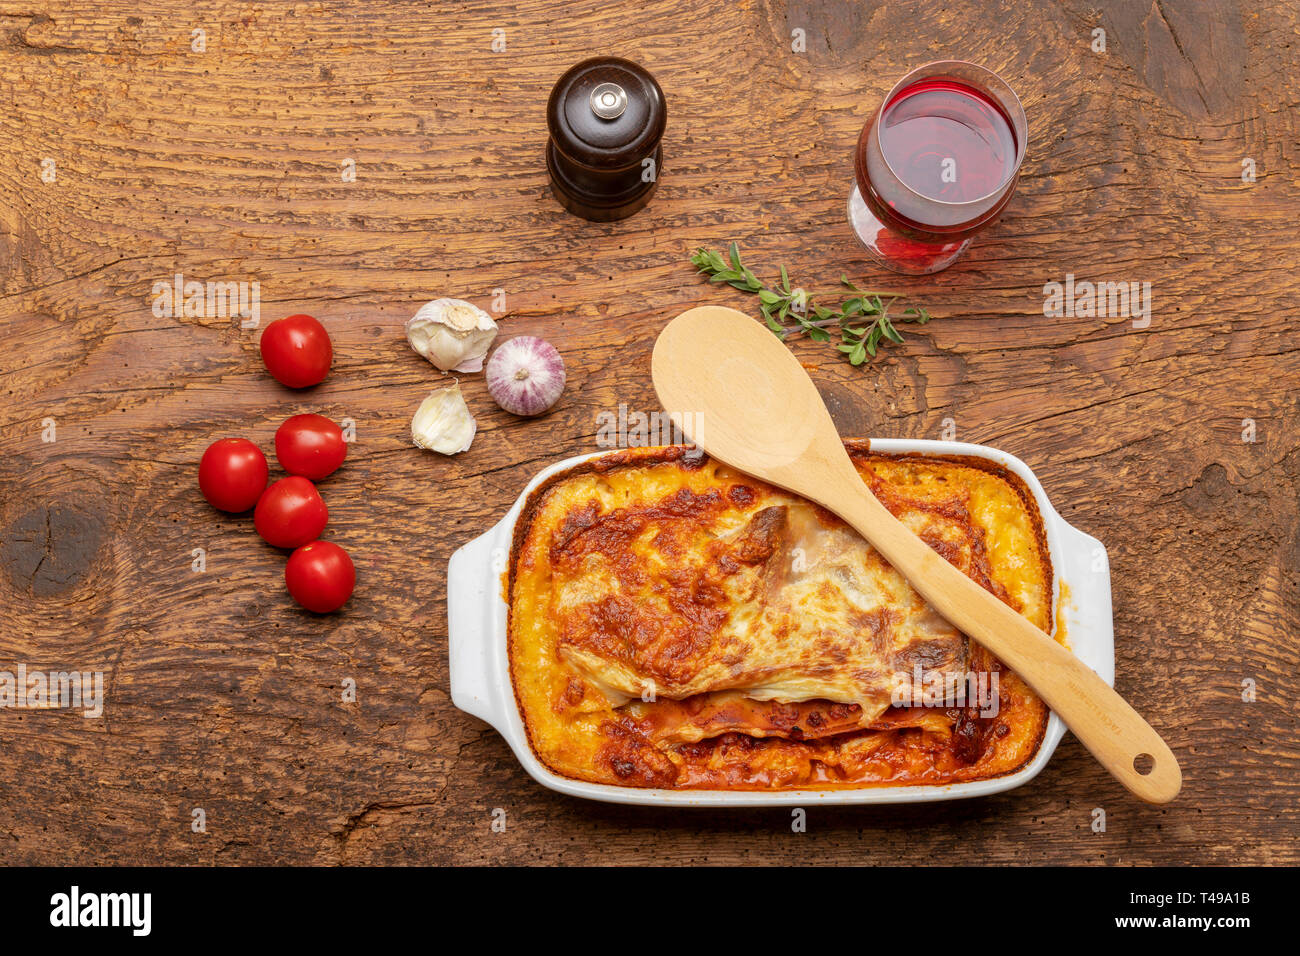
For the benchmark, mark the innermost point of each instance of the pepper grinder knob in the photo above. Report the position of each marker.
(606, 118)
(608, 100)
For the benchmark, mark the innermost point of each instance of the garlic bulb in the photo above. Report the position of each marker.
(443, 422)
(452, 334)
(525, 375)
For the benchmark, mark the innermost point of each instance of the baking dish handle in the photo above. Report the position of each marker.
(1088, 603)
(472, 579)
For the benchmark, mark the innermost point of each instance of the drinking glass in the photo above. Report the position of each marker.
(936, 164)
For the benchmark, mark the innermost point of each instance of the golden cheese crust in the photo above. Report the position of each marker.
(677, 624)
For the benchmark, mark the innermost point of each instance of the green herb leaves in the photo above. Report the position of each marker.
(862, 321)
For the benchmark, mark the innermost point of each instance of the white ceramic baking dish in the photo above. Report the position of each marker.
(480, 673)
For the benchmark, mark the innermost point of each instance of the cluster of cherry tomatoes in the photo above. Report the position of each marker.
(290, 513)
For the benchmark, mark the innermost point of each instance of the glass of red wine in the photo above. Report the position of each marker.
(936, 164)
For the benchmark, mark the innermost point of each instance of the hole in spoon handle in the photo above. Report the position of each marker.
(1131, 750)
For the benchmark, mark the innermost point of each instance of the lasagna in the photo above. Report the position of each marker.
(677, 624)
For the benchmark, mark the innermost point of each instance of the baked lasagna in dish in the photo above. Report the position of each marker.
(677, 624)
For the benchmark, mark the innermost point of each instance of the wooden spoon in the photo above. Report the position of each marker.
(752, 406)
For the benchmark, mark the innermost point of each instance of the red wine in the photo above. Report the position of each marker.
(944, 157)
(948, 141)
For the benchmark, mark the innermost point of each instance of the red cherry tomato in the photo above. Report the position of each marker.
(290, 513)
(310, 445)
(320, 576)
(232, 474)
(297, 351)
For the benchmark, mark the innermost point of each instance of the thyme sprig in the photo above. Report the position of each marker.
(862, 320)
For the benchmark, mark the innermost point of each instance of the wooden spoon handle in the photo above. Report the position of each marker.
(1103, 721)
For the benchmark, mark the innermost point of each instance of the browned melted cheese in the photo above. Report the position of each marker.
(676, 624)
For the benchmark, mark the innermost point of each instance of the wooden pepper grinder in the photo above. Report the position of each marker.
(606, 116)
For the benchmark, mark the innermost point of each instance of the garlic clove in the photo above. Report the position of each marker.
(443, 423)
(452, 334)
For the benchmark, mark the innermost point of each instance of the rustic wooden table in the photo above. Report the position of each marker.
(135, 148)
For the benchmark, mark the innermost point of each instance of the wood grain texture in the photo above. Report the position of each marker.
(226, 165)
